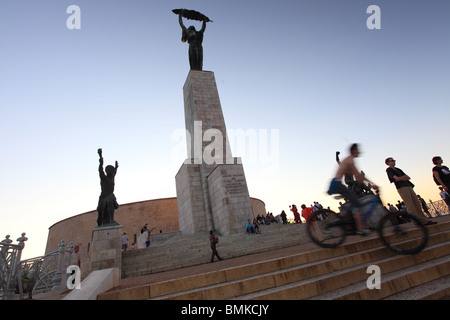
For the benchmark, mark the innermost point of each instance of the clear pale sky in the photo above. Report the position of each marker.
(308, 77)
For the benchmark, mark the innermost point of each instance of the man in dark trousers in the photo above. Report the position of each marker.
(213, 240)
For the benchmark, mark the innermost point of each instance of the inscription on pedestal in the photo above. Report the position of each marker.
(230, 200)
(234, 183)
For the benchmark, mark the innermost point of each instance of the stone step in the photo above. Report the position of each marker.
(288, 276)
(232, 282)
(228, 247)
(182, 251)
(431, 263)
(401, 283)
(433, 290)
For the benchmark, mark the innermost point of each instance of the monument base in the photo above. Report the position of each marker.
(230, 201)
(217, 200)
(106, 249)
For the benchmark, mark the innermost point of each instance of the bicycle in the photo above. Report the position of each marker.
(401, 232)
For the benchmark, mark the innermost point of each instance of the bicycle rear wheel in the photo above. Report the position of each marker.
(403, 233)
(326, 228)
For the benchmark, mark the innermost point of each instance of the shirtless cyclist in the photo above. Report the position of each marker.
(347, 167)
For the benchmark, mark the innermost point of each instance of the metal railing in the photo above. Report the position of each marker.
(10, 255)
(438, 208)
(32, 276)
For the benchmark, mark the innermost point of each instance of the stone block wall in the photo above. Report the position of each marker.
(190, 199)
(106, 248)
(230, 201)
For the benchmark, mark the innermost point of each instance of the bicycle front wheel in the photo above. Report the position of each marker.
(326, 228)
(403, 233)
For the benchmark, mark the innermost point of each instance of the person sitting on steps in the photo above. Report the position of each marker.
(250, 228)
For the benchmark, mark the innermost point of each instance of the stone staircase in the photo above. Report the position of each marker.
(188, 250)
(340, 273)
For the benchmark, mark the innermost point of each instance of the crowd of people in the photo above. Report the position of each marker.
(253, 227)
(300, 217)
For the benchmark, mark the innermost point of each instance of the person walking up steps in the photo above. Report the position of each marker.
(213, 240)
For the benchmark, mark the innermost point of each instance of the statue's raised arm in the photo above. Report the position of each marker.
(180, 20)
(203, 26)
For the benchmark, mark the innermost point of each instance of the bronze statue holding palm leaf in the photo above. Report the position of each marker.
(192, 36)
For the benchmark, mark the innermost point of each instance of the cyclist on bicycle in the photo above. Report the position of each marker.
(347, 167)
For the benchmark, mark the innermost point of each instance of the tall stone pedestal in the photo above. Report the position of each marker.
(212, 192)
(106, 249)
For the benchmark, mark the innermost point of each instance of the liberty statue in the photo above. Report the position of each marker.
(192, 36)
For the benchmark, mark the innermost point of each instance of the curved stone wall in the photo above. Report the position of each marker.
(162, 214)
